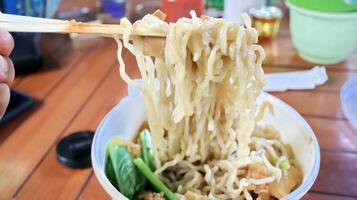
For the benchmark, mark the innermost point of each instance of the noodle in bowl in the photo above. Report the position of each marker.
(211, 137)
(125, 118)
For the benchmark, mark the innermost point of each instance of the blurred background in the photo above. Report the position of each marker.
(312, 24)
(66, 83)
(111, 11)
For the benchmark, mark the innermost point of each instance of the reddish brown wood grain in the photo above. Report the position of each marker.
(337, 174)
(50, 170)
(16, 81)
(94, 191)
(313, 103)
(51, 42)
(333, 134)
(317, 196)
(40, 83)
(29, 143)
(79, 84)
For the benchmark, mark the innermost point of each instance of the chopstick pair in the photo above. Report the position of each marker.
(16, 23)
(154, 42)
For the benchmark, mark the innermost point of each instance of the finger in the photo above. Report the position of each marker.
(4, 98)
(6, 43)
(7, 72)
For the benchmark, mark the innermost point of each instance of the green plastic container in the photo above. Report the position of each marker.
(218, 4)
(321, 37)
(327, 5)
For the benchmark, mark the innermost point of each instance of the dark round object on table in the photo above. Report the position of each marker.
(74, 150)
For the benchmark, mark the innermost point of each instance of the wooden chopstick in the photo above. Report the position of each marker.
(16, 23)
(154, 40)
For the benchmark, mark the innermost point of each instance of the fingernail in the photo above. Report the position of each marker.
(2, 70)
(4, 98)
(6, 70)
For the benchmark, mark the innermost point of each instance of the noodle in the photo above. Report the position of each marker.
(202, 116)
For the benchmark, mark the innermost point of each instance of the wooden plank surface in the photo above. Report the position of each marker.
(79, 84)
(317, 103)
(319, 196)
(50, 170)
(58, 66)
(333, 134)
(54, 115)
(337, 174)
(54, 69)
(94, 190)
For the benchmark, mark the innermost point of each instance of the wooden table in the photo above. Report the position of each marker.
(79, 84)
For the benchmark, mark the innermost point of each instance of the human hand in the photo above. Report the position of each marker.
(7, 72)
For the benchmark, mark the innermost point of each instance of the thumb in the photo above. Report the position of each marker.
(4, 98)
(7, 72)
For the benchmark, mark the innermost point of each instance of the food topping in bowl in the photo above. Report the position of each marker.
(207, 139)
(129, 168)
(257, 176)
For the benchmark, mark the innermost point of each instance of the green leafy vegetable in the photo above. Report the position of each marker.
(154, 180)
(109, 170)
(126, 177)
(134, 149)
(284, 165)
(146, 149)
(273, 159)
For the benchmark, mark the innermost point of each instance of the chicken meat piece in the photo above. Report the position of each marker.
(151, 196)
(286, 184)
(193, 196)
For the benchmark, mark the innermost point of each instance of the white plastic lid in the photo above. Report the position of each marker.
(349, 100)
(266, 12)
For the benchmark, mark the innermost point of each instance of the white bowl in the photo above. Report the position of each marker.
(126, 117)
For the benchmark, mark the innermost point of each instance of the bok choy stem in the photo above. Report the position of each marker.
(153, 179)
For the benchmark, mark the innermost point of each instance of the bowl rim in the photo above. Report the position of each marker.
(321, 14)
(100, 174)
(298, 193)
(305, 186)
